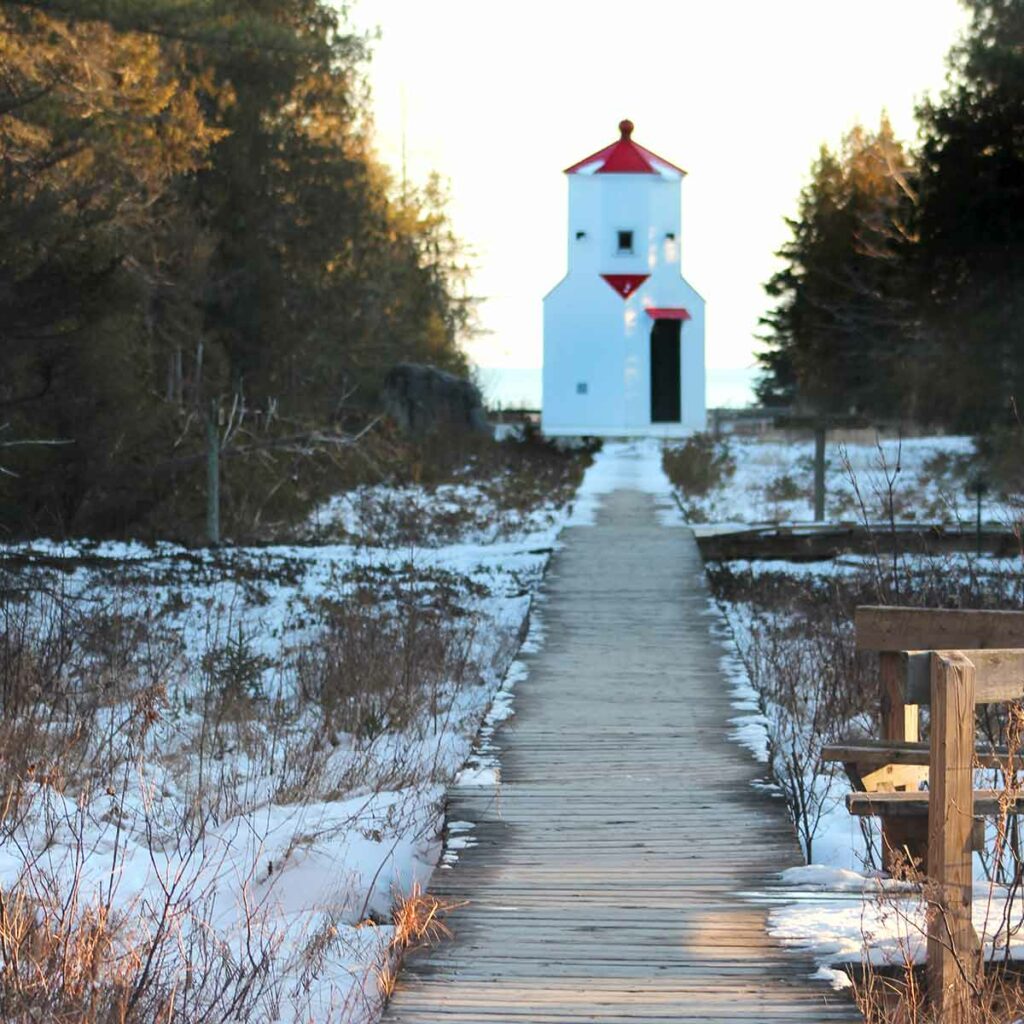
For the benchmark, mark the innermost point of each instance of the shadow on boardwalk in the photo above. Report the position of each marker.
(606, 879)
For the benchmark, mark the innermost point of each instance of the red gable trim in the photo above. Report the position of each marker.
(668, 313)
(625, 284)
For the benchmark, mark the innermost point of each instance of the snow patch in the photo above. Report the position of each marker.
(626, 465)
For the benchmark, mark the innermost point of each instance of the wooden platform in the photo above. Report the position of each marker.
(615, 871)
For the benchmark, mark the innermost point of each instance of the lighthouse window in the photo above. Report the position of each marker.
(625, 241)
(580, 235)
(581, 388)
(670, 235)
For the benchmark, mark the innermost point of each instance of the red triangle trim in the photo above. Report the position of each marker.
(625, 284)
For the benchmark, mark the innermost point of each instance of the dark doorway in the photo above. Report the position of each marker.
(665, 400)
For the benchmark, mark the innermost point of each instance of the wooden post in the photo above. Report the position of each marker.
(819, 474)
(212, 477)
(978, 523)
(899, 722)
(953, 955)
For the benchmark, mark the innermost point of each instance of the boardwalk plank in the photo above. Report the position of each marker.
(623, 869)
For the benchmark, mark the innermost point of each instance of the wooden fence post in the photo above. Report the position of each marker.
(899, 722)
(953, 960)
(212, 476)
(819, 474)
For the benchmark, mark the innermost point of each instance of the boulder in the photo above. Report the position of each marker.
(422, 399)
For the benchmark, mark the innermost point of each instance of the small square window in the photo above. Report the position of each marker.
(625, 241)
(580, 235)
(670, 235)
(581, 388)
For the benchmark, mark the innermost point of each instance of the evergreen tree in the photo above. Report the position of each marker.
(970, 260)
(190, 208)
(837, 338)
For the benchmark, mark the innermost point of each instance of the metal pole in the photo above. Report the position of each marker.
(212, 478)
(819, 474)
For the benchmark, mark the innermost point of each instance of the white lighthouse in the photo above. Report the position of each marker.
(623, 331)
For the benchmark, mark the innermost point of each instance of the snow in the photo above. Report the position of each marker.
(834, 908)
(315, 875)
(305, 876)
(749, 729)
(821, 878)
(627, 465)
(839, 980)
(884, 926)
(773, 483)
(304, 853)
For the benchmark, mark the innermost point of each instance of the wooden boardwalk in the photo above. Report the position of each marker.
(609, 869)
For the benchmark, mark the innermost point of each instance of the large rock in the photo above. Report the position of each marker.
(422, 399)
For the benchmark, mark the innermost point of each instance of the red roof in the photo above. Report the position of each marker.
(625, 157)
(668, 313)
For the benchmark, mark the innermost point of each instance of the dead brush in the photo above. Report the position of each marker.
(417, 918)
(64, 963)
(896, 995)
(392, 655)
(72, 952)
(698, 465)
(460, 483)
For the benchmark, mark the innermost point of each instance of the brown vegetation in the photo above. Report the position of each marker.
(142, 714)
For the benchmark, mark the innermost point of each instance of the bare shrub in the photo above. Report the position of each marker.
(73, 673)
(797, 647)
(698, 465)
(452, 486)
(390, 656)
(70, 953)
(784, 488)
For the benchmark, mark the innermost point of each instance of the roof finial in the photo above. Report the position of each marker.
(626, 128)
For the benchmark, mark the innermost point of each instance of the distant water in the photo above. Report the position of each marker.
(520, 387)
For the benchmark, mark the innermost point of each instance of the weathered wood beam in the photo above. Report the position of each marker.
(881, 752)
(987, 803)
(884, 628)
(999, 674)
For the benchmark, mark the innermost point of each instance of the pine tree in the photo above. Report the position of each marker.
(837, 337)
(970, 261)
(190, 209)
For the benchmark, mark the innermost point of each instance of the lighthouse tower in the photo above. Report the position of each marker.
(623, 331)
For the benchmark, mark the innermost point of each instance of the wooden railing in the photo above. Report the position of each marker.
(950, 660)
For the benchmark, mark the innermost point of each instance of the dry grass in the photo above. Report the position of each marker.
(64, 966)
(70, 954)
(418, 920)
(897, 996)
(393, 654)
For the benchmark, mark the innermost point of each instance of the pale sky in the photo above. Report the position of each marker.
(499, 98)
